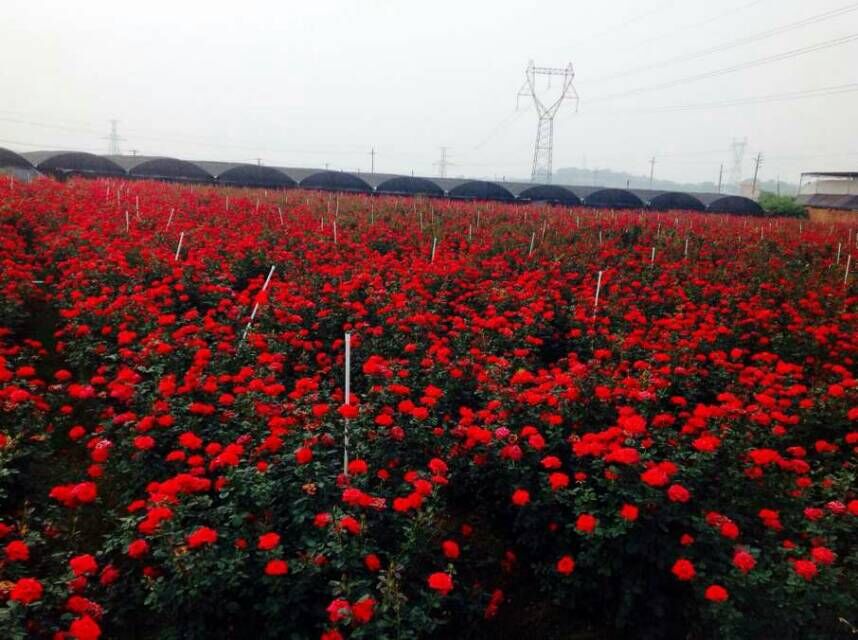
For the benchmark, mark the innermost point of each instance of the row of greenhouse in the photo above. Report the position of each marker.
(64, 164)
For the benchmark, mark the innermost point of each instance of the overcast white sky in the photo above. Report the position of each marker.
(315, 82)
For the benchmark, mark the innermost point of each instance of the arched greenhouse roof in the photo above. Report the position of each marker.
(335, 181)
(553, 193)
(608, 198)
(62, 163)
(409, 186)
(238, 174)
(480, 190)
(667, 200)
(161, 168)
(721, 203)
(9, 159)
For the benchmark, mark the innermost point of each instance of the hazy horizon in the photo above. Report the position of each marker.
(324, 83)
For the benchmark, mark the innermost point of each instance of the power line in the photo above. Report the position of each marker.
(786, 55)
(733, 43)
(689, 26)
(776, 97)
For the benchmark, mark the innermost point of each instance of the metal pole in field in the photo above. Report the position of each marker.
(598, 291)
(179, 248)
(348, 390)
(256, 305)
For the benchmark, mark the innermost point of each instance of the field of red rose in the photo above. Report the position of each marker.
(560, 423)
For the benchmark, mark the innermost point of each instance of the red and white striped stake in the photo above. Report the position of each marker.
(170, 219)
(348, 391)
(179, 248)
(598, 291)
(434, 244)
(532, 240)
(256, 306)
(848, 264)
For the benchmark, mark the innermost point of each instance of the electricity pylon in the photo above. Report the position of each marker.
(546, 110)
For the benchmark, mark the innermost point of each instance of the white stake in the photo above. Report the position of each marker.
(256, 306)
(348, 391)
(652, 257)
(686, 246)
(280, 213)
(478, 218)
(137, 207)
(335, 231)
(434, 244)
(600, 237)
(578, 221)
(532, 239)
(839, 245)
(127, 221)
(257, 205)
(598, 291)
(544, 226)
(469, 232)
(179, 248)
(848, 263)
(170, 219)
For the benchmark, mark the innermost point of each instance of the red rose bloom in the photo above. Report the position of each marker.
(26, 590)
(716, 593)
(566, 565)
(441, 582)
(17, 551)
(83, 565)
(85, 628)
(683, 569)
(268, 541)
(629, 512)
(586, 523)
(276, 568)
(805, 568)
(202, 536)
(520, 497)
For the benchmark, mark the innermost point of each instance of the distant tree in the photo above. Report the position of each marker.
(775, 205)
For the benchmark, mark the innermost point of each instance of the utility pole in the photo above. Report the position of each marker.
(114, 138)
(134, 152)
(651, 171)
(372, 156)
(757, 162)
(259, 162)
(443, 163)
(544, 149)
(720, 176)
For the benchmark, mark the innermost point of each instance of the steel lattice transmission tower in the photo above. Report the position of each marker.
(546, 110)
(114, 138)
(738, 155)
